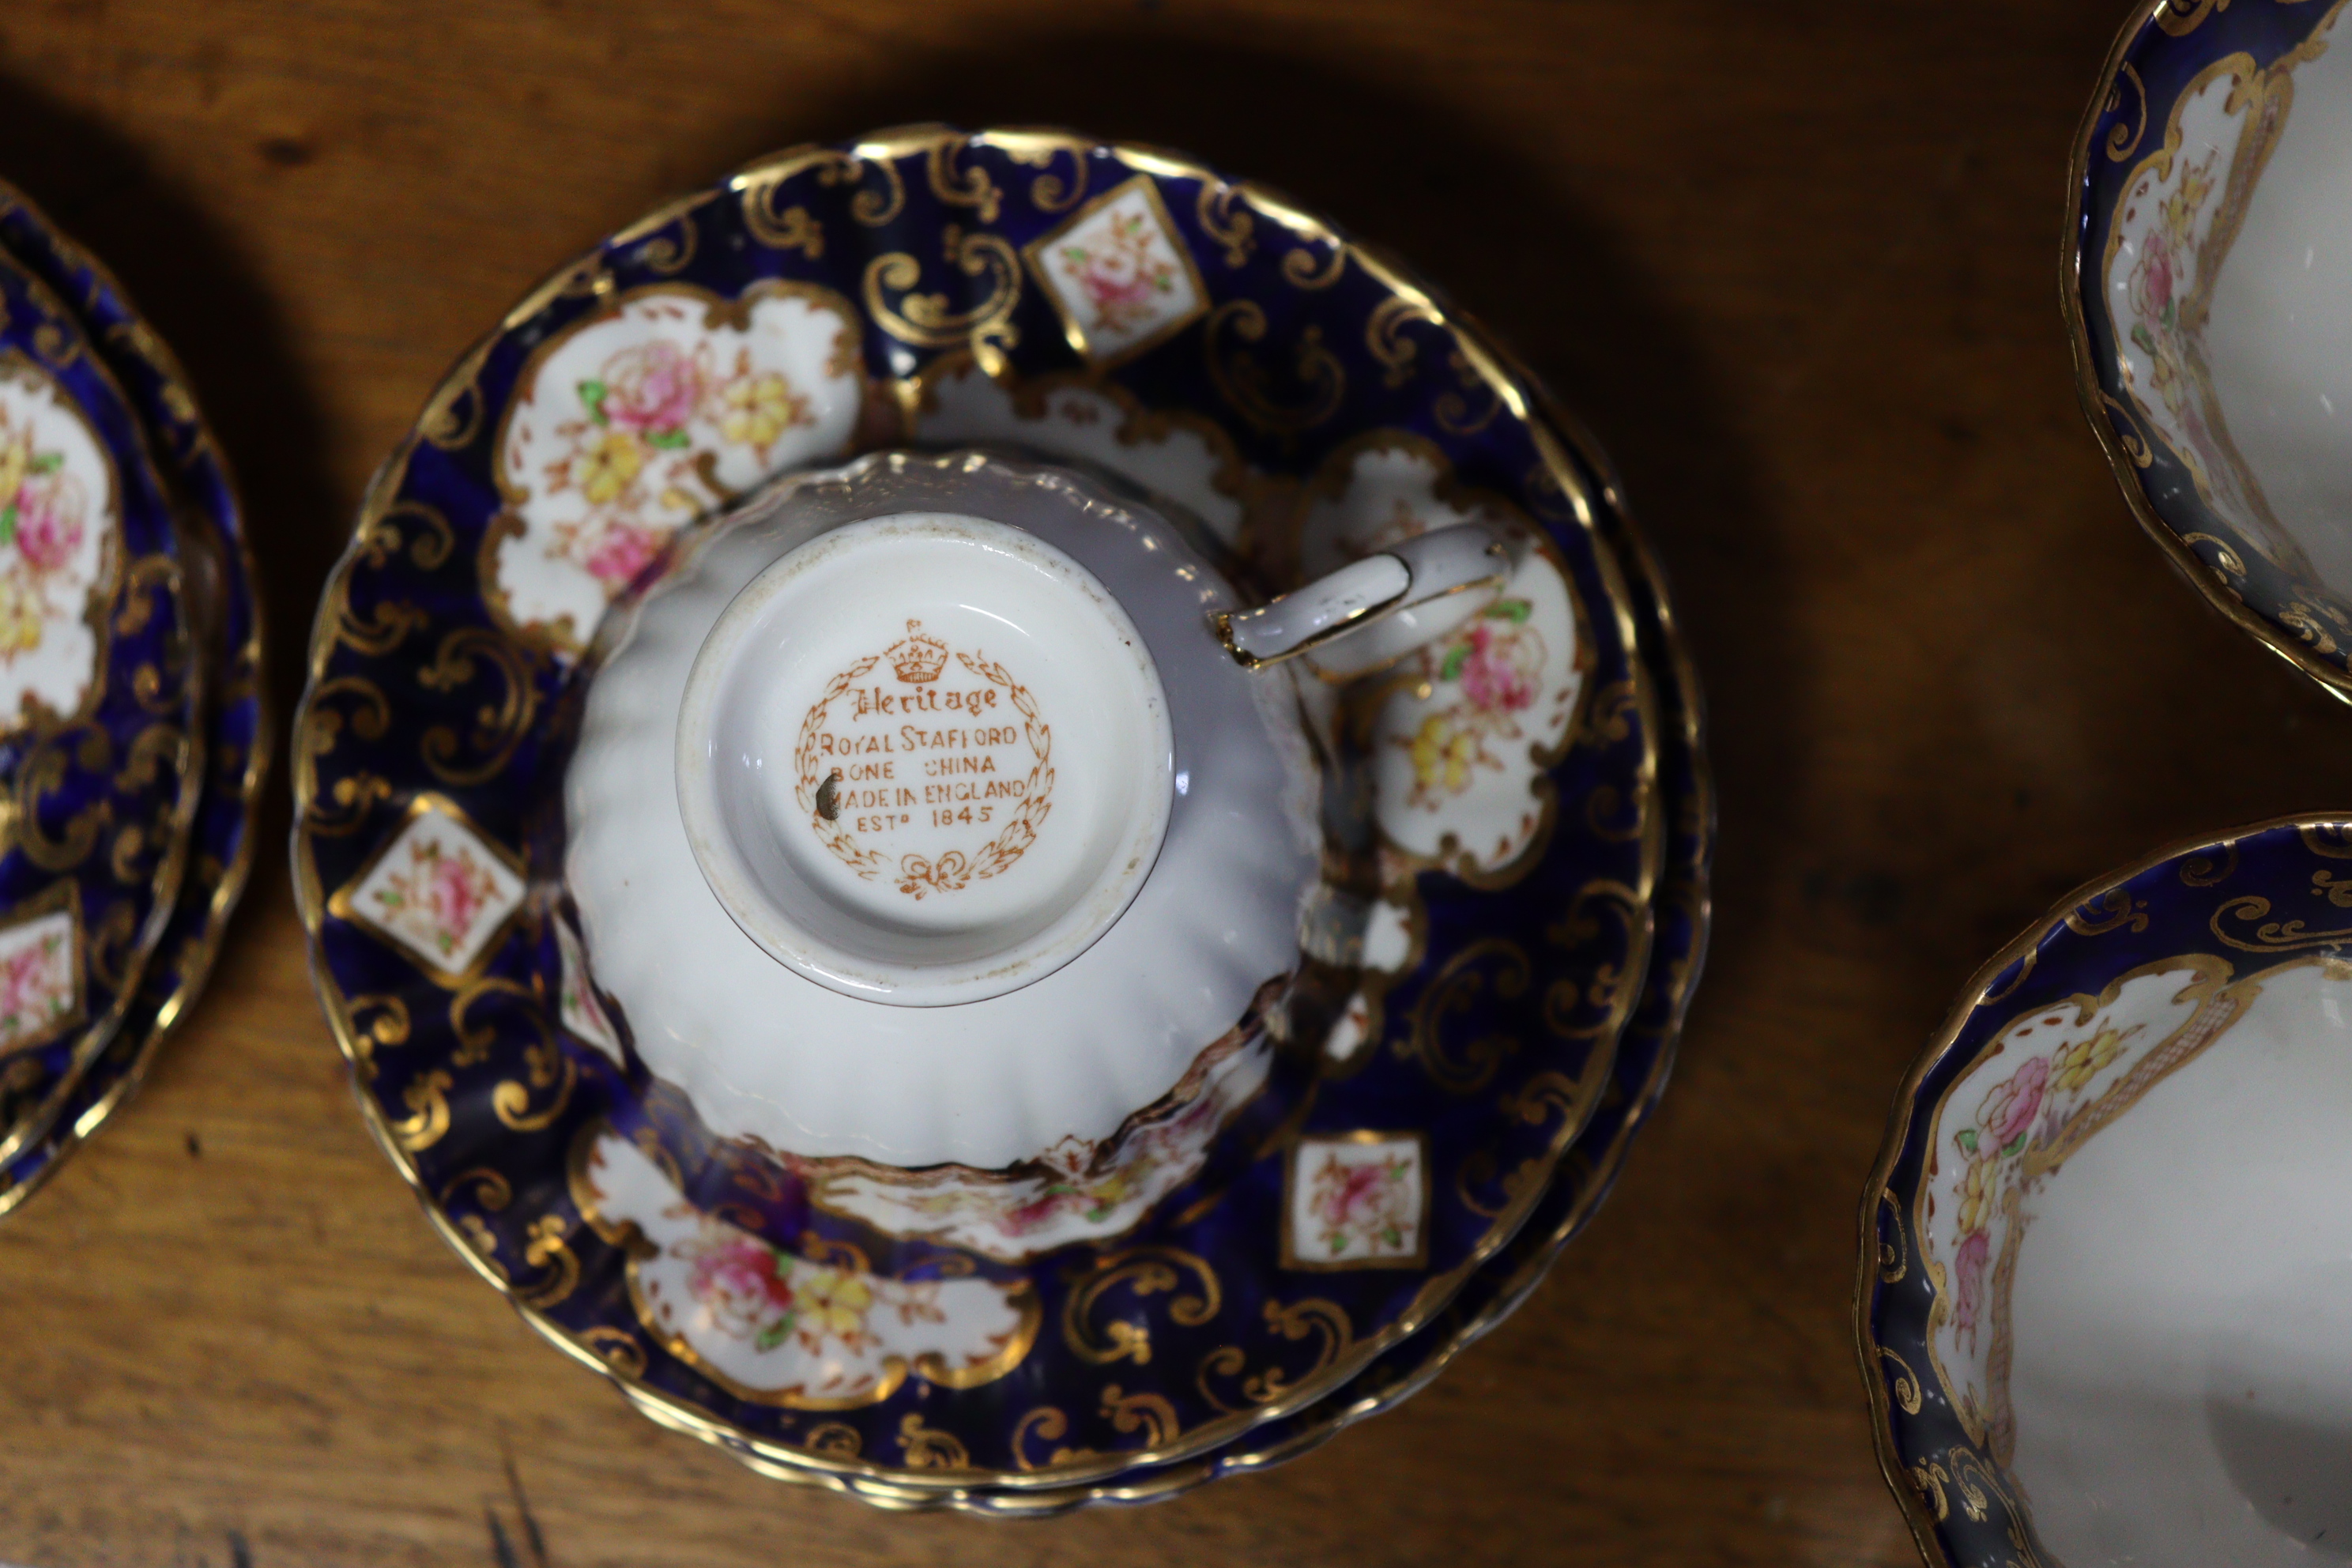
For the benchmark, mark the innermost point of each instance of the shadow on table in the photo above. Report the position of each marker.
(209, 303)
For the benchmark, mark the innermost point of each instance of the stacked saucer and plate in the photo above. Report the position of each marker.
(1232, 868)
(2100, 1302)
(133, 735)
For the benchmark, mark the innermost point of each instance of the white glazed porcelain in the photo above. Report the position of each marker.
(929, 831)
(923, 808)
(2150, 1314)
(2226, 278)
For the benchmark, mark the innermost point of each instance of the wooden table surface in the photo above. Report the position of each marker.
(1796, 265)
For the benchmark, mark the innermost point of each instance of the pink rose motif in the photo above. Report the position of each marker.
(654, 388)
(454, 893)
(1489, 679)
(20, 981)
(2009, 1109)
(743, 1272)
(1968, 1280)
(46, 534)
(623, 553)
(1023, 1218)
(1357, 1184)
(2159, 275)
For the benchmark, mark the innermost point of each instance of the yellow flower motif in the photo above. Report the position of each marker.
(20, 618)
(1974, 1195)
(758, 408)
(608, 467)
(832, 1301)
(2080, 1062)
(15, 456)
(1443, 753)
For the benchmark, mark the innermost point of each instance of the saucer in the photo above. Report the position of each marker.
(2102, 1247)
(1638, 1077)
(236, 728)
(100, 677)
(1272, 382)
(2203, 287)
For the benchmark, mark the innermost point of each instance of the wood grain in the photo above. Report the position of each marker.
(1797, 267)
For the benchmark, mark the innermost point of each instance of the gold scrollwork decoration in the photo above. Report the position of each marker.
(2337, 891)
(960, 187)
(2302, 619)
(2032, 956)
(1045, 1424)
(110, 946)
(1928, 1479)
(2182, 17)
(1144, 1271)
(1893, 1257)
(499, 726)
(1535, 1101)
(143, 586)
(1245, 384)
(388, 1027)
(1565, 997)
(381, 535)
(1225, 220)
(474, 1041)
(1492, 963)
(1383, 336)
(386, 628)
(1904, 1384)
(2134, 443)
(492, 1191)
(2115, 909)
(1453, 410)
(2332, 840)
(156, 747)
(454, 417)
(2227, 559)
(1326, 1321)
(2120, 146)
(617, 1348)
(1150, 1414)
(2204, 871)
(669, 256)
(43, 774)
(929, 1449)
(928, 320)
(427, 1099)
(1303, 269)
(545, 1248)
(2269, 936)
(837, 1439)
(545, 1066)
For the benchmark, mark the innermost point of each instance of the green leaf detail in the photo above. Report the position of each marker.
(48, 462)
(8, 525)
(1516, 610)
(2143, 337)
(2014, 1145)
(2167, 314)
(1392, 1236)
(775, 1333)
(668, 440)
(1455, 658)
(1967, 1139)
(592, 394)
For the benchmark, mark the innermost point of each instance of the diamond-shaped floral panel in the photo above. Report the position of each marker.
(1118, 276)
(439, 890)
(1357, 1201)
(41, 979)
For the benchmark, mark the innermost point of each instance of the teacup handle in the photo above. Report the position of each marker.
(1412, 593)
